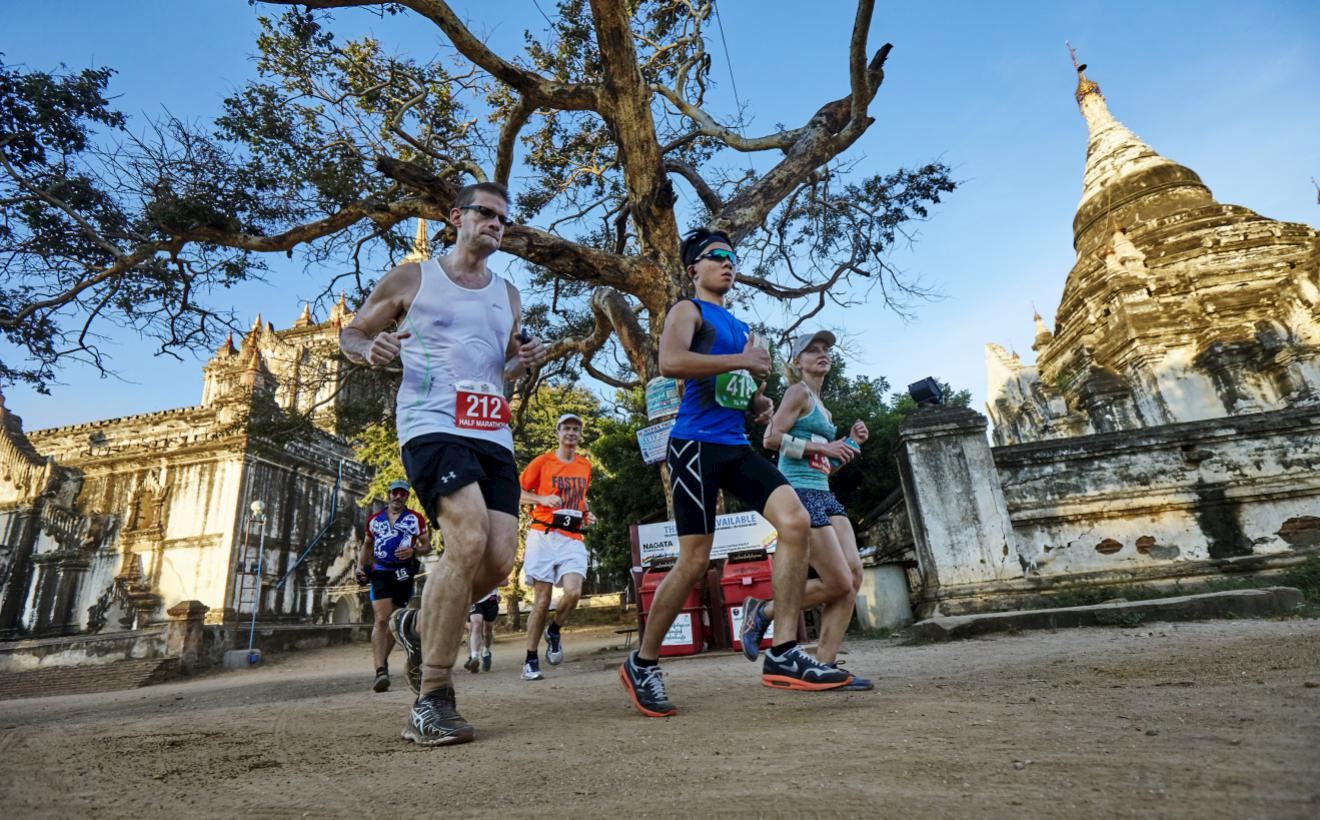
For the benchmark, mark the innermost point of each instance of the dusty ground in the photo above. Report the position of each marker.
(1193, 720)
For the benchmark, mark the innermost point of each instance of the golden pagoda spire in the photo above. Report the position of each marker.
(1085, 86)
(421, 247)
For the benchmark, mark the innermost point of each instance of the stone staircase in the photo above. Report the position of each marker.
(81, 680)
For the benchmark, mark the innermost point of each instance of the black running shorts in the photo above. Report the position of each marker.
(441, 464)
(698, 470)
(392, 584)
(487, 608)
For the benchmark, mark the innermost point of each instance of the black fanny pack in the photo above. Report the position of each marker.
(566, 520)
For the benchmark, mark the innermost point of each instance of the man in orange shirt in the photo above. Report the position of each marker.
(556, 484)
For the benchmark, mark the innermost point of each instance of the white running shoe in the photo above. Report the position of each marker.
(532, 671)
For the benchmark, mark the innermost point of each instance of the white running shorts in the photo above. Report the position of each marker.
(552, 555)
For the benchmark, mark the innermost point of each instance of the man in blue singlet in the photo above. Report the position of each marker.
(395, 537)
(454, 324)
(712, 351)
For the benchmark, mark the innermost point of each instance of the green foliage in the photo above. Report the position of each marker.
(625, 490)
(869, 479)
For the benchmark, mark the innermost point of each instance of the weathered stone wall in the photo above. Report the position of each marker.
(1235, 494)
(1167, 501)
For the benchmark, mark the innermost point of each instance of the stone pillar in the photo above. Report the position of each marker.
(955, 502)
(185, 636)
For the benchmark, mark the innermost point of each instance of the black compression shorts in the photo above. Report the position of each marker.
(698, 470)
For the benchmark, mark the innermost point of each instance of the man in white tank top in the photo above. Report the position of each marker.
(454, 324)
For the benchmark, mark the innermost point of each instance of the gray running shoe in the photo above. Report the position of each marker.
(532, 670)
(435, 721)
(473, 664)
(403, 626)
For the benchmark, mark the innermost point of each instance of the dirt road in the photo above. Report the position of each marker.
(1189, 720)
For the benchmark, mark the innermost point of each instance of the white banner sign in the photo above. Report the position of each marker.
(653, 440)
(734, 532)
(662, 398)
(680, 633)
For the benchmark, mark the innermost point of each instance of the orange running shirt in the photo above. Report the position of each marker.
(547, 475)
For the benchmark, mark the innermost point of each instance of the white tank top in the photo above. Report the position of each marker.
(458, 334)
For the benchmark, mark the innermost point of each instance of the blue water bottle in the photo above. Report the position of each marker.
(847, 442)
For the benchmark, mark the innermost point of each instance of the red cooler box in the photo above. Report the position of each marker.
(746, 574)
(687, 635)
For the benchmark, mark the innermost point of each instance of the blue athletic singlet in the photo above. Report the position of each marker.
(700, 416)
(389, 537)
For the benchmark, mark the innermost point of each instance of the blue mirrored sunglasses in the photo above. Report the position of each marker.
(720, 255)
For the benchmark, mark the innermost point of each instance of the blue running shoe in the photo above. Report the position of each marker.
(754, 626)
(554, 647)
(856, 684)
(795, 669)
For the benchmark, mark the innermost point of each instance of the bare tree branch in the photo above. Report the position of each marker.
(707, 194)
(538, 90)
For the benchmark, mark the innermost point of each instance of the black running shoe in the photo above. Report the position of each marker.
(485, 661)
(473, 664)
(435, 721)
(754, 626)
(382, 682)
(403, 626)
(796, 669)
(646, 688)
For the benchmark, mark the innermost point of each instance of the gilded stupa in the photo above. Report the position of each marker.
(1178, 307)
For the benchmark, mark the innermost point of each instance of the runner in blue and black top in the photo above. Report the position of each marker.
(810, 450)
(395, 536)
(714, 354)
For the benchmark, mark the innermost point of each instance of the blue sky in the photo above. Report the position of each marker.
(1228, 89)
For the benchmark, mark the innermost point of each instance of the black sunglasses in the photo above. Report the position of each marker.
(488, 213)
(720, 255)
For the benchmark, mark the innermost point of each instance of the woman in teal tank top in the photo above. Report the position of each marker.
(804, 434)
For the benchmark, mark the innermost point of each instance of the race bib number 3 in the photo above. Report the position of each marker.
(734, 390)
(478, 407)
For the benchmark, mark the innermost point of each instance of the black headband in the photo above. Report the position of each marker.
(694, 250)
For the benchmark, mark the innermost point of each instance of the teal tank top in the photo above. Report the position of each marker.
(799, 471)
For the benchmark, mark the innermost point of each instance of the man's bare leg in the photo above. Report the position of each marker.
(787, 515)
(836, 578)
(568, 597)
(475, 623)
(838, 612)
(693, 559)
(381, 639)
(447, 596)
(541, 592)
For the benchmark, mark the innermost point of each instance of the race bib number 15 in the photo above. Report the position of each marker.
(478, 407)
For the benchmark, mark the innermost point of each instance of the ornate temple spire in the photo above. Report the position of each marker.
(1119, 165)
(421, 247)
(227, 349)
(305, 318)
(1043, 335)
